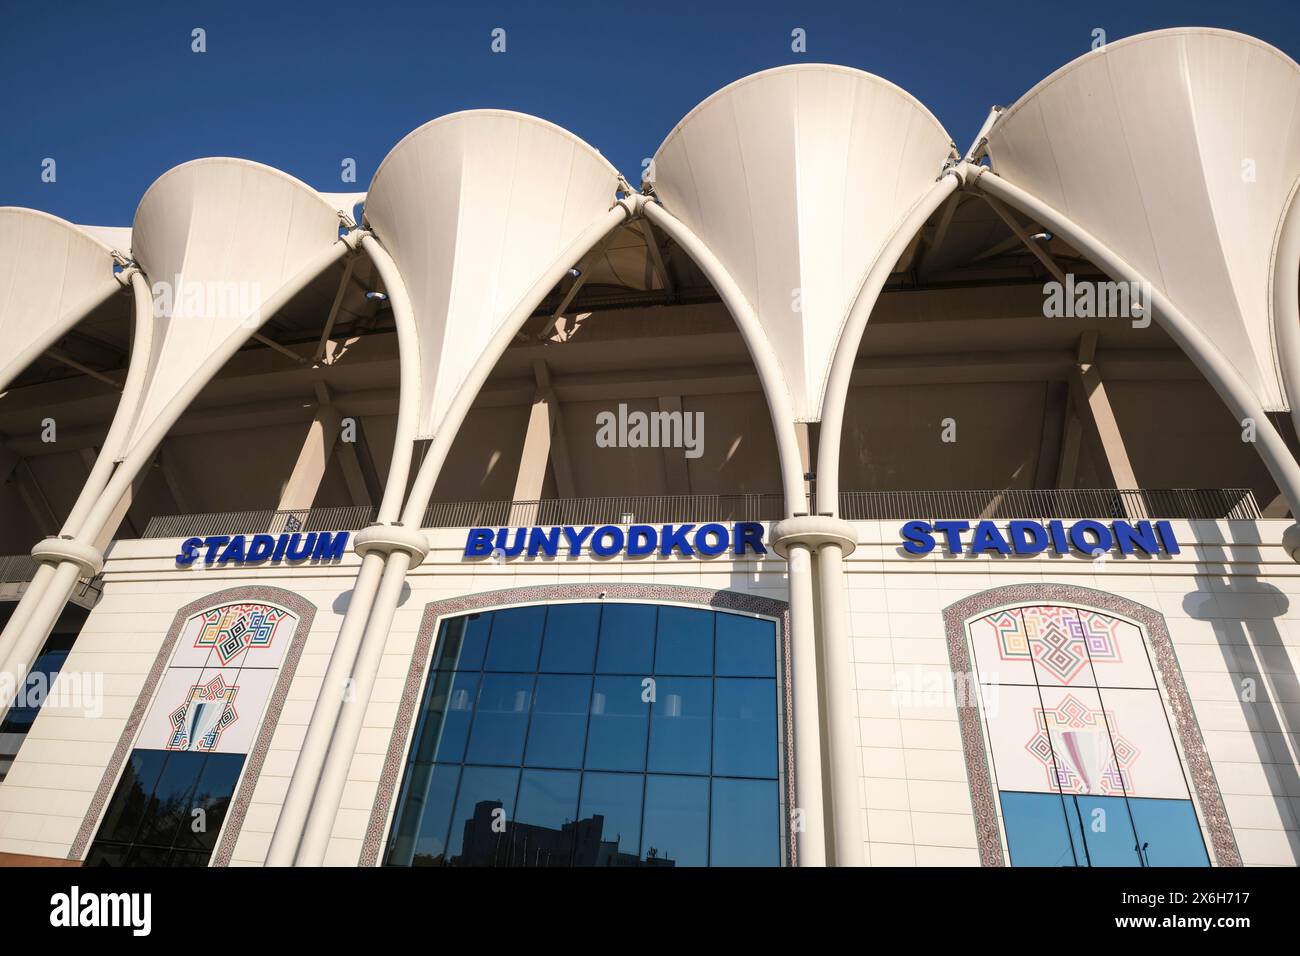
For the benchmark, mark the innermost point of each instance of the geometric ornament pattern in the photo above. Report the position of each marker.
(199, 722)
(1061, 640)
(235, 628)
(1082, 750)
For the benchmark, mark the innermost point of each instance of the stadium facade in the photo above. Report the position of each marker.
(835, 498)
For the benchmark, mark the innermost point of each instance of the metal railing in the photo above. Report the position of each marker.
(350, 518)
(1236, 504)
(649, 509)
(1191, 503)
(21, 568)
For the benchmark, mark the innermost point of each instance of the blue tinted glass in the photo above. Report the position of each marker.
(462, 643)
(616, 737)
(543, 830)
(611, 813)
(680, 731)
(559, 725)
(127, 808)
(746, 646)
(502, 719)
(516, 639)
(212, 794)
(171, 798)
(685, 642)
(1038, 832)
(1168, 831)
(444, 723)
(744, 728)
(627, 639)
(745, 828)
(483, 790)
(1107, 830)
(420, 831)
(676, 827)
(570, 642)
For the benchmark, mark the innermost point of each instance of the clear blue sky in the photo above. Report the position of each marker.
(114, 94)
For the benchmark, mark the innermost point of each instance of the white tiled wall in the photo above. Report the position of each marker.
(1231, 601)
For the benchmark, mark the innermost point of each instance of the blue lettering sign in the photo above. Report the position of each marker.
(243, 549)
(1032, 537)
(741, 538)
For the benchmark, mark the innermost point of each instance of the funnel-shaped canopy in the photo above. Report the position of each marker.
(217, 238)
(474, 208)
(796, 178)
(51, 274)
(1178, 150)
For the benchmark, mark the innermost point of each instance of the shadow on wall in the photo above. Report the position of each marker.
(340, 605)
(1255, 656)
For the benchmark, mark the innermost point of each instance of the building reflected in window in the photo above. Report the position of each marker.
(595, 735)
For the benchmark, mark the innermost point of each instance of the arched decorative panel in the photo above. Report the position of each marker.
(195, 742)
(1080, 741)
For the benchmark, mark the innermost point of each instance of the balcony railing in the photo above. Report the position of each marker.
(647, 509)
(21, 568)
(350, 518)
(1237, 504)
(1234, 504)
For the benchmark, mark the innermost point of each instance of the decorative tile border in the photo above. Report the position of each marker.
(421, 658)
(958, 615)
(306, 612)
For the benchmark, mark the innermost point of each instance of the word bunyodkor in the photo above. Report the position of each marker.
(1033, 537)
(251, 549)
(638, 539)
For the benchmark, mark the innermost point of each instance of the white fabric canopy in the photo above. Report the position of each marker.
(1178, 149)
(217, 238)
(474, 207)
(796, 178)
(51, 273)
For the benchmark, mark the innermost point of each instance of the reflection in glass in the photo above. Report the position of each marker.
(1168, 832)
(1038, 830)
(680, 738)
(616, 735)
(676, 824)
(559, 726)
(502, 719)
(528, 758)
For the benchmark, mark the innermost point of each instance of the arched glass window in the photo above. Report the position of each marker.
(601, 734)
(1084, 759)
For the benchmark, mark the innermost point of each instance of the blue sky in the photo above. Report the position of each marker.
(115, 95)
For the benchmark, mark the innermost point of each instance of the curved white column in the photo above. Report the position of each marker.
(19, 655)
(806, 691)
(1286, 303)
(1218, 371)
(760, 352)
(855, 325)
(337, 685)
(51, 602)
(342, 745)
